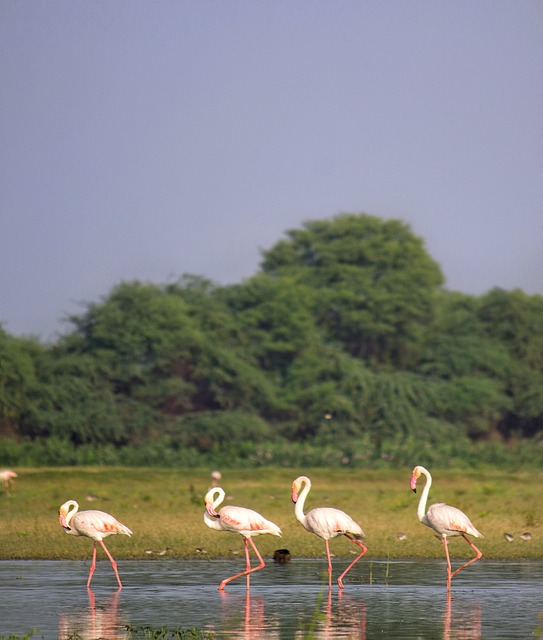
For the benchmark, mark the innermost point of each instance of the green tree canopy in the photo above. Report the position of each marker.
(376, 283)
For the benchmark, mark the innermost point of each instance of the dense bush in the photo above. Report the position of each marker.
(344, 349)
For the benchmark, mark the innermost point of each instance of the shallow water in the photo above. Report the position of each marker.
(395, 600)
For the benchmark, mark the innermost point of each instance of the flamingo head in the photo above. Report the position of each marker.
(66, 513)
(211, 502)
(417, 471)
(296, 487)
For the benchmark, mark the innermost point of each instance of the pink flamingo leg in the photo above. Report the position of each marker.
(449, 576)
(478, 556)
(247, 566)
(450, 573)
(248, 569)
(93, 564)
(329, 562)
(364, 549)
(113, 563)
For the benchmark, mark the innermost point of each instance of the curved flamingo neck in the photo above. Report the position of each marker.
(300, 502)
(421, 510)
(213, 499)
(219, 492)
(73, 508)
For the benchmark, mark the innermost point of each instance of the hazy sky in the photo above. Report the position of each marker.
(144, 140)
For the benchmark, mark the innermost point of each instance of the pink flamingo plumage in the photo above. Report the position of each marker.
(6, 476)
(445, 520)
(327, 523)
(92, 524)
(246, 522)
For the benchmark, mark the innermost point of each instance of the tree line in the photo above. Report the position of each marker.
(345, 345)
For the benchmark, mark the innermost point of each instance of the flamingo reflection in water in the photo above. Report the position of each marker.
(464, 621)
(344, 619)
(348, 618)
(252, 626)
(98, 620)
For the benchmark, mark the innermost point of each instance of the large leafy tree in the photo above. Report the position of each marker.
(275, 320)
(166, 356)
(515, 320)
(376, 283)
(17, 377)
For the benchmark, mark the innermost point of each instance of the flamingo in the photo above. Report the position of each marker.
(92, 524)
(6, 476)
(246, 522)
(445, 520)
(326, 522)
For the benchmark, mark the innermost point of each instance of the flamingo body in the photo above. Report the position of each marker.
(6, 477)
(326, 522)
(445, 520)
(92, 524)
(449, 521)
(246, 522)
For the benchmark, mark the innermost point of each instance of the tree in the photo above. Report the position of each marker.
(274, 319)
(376, 284)
(17, 377)
(515, 319)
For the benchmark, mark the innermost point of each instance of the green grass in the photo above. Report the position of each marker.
(164, 508)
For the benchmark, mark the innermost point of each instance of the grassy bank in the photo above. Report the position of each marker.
(164, 508)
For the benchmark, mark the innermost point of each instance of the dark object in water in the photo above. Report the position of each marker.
(281, 556)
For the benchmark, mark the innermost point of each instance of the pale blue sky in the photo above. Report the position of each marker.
(144, 140)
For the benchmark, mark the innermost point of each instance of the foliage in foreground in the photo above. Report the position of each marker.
(163, 633)
(129, 633)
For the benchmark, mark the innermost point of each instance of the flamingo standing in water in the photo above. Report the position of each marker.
(326, 522)
(92, 524)
(246, 522)
(444, 520)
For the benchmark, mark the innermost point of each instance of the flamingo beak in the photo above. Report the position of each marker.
(413, 483)
(211, 511)
(294, 495)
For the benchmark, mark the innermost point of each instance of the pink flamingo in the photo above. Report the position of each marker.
(246, 522)
(444, 520)
(326, 522)
(92, 524)
(6, 476)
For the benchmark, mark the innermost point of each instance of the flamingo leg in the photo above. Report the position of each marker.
(449, 576)
(478, 555)
(248, 569)
(93, 564)
(364, 549)
(113, 563)
(450, 573)
(329, 562)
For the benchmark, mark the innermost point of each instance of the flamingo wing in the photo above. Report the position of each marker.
(246, 522)
(328, 522)
(98, 524)
(450, 521)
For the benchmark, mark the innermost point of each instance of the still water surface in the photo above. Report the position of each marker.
(396, 600)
